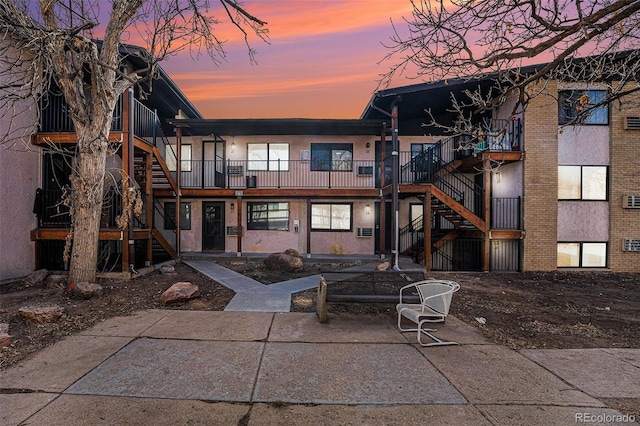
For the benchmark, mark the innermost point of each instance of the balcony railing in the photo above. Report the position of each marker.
(505, 213)
(55, 116)
(280, 174)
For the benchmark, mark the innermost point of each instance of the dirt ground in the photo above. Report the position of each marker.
(520, 310)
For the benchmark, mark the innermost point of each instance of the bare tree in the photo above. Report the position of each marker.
(53, 43)
(499, 40)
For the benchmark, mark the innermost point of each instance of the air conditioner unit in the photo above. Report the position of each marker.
(631, 123)
(364, 232)
(631, 244)
(631, 202)
(365, 170)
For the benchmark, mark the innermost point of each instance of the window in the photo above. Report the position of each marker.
(268, 216)
(170, 214)
(582, 182)
(268, 156)
(419, 148)
(185, 157)
(331, 217)
(332, 157)
(582, 255)
(580, 105)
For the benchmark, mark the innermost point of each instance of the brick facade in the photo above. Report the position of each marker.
(624, 175)
(540, 204)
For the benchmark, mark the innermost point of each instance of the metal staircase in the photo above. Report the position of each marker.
(454, 198)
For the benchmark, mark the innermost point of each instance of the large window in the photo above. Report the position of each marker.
(331, 217)
(582, 255)
(332, 157)
(582, 182)
(580, 105)
(268, 216)
(185, 157)
(268, 156)
(170, 215)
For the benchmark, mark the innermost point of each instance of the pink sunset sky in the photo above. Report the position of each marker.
(322, 61)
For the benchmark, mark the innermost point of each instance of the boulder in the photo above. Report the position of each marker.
(179, 292)
(85, 290)
(168, 270)
(5, 338)
(41, 314)
(384, 266)
(36, 277)
(289, 261)
(58, 281)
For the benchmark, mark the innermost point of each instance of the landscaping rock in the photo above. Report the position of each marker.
(41, 314)
(289, 260)
(168, 270)
(85, 290)
(5, 338)
(36, 277)
(384, 266)
(179, 292)
(53, 280)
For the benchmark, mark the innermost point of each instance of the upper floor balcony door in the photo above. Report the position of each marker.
(214, 164)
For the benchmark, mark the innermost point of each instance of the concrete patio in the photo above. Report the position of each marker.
(202, 367)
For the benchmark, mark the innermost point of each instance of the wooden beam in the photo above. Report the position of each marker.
(504, 234)
(148, 190)
(458, 208)
(61, 234)
(163, 242)
(274, 192)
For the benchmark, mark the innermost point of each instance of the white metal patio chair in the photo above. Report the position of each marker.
(435, 300)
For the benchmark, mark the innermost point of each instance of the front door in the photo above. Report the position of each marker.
(387, 228)
(213, 226)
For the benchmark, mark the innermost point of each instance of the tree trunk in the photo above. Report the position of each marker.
(88, 190)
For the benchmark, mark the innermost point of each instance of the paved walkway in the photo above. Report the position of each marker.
(244, 367)
(167, 367)
(253, 296)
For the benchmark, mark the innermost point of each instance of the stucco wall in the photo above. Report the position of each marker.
(19, 177)
(583, 221)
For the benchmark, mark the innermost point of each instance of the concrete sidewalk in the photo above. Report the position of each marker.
(167, 367)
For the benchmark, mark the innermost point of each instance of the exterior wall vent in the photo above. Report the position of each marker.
(632, 123)
(235, 170)
(631, 202)
(631, 244)
(365, 170)
(365, 232)
(232, 230)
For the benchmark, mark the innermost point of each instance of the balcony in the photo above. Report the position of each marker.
(240, 174)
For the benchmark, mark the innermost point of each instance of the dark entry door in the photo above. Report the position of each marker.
(213, 226)
(213, 164)
(388, 149)
(387, 228)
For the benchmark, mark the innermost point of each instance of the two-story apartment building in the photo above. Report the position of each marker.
(41, 176)
(530, 193)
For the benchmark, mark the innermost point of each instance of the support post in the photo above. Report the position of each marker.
(486, 192)
(239, 219)
(178, 173)
(426, 226)
(395, 166)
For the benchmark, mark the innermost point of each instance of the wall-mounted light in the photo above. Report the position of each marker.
(233, 147)
(367, 209)
(233, 206)
(368, 145)
(498, 177)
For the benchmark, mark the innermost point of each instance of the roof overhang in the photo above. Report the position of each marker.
(280, 126)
